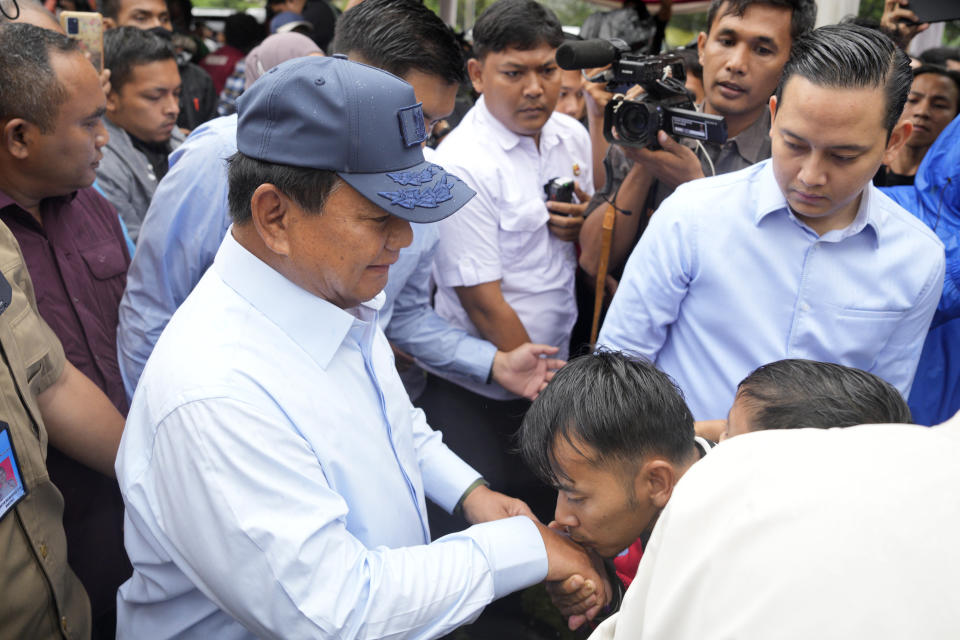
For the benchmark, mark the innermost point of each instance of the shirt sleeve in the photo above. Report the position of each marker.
(897, 362)
(417, 329)
(115, 183)
(949, 307)
(468, 253)
(654, 284)
(303, 574)
(181, 233)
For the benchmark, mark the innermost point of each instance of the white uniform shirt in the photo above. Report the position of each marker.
(807, 533)
(502, 233)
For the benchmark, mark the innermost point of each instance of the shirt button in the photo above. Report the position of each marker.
(43, 550)
(805, 306)
(76, 300)
(63, 623)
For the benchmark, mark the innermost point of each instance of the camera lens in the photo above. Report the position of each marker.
(637, 123)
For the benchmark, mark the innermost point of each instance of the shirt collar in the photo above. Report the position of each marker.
(752, 141)
(6, 201)
(316, 325)
(549, 136)
(771, 200)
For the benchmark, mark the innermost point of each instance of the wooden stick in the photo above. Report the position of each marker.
(606, 237)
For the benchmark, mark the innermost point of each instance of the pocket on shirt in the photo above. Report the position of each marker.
(105, 260)
(859, 335)
(523, 234)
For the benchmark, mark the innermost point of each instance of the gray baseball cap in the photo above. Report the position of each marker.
(360, 121)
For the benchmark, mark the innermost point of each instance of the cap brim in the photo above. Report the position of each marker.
(422, 193)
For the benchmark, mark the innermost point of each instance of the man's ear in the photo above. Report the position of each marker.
(475, 70)
(656, 479)
(701, 43)
(898, 137)
(109, 23)
(773, 112)
(18, 134)
(272, 217)
(113, 101)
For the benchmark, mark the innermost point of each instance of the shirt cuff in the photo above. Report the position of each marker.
(514, 550)
(474, 358)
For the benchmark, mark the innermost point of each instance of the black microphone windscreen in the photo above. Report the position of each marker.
(586, 54)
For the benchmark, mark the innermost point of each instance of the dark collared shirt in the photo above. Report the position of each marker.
(78, 260)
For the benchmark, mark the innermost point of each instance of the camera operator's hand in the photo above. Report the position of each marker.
(566, 222)
(595, 94)
(672, 165)
(900, 20)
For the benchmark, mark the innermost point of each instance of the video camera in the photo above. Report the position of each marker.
(666, 104)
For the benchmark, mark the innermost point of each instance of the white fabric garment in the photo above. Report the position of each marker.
(502, 233)
(840, 533)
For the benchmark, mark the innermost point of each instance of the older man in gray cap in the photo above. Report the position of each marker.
(274, 471)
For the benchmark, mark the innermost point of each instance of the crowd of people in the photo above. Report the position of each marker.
(304, 345)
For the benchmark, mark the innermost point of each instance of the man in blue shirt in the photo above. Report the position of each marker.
(796, 257)
(274, 471)
(188, 216)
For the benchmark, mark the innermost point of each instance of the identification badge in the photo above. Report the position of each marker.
(11, 481)
(6, 293)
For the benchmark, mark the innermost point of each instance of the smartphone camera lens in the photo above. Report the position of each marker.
(73, 26)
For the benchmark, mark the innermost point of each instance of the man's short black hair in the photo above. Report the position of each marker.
(953, 76)
(400, 36)
(309, 188)
(127, 47)
(29, 87)
(848, 56)
(110, 8)
(940, 55)
(620, 406)
(242, 31)
(515, 24)
(801, 22)
(798, 394)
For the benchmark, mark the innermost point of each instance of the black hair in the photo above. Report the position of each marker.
(400, 36)
(940, 55)
(848, 56)
(242, 31)
(29, 87)
(516, 24)
(798, 394)
(309, 188)
(110, 8)
(127, 47)
(801, 22)
(621, 406)
(952, 75)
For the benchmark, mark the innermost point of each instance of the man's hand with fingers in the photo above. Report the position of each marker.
(566, 218)
(673, 164)
(576, 580)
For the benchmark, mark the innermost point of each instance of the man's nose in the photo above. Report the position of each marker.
(533, 87)
(737, 60)
(563, 515)
(812, 172)
(401, 234)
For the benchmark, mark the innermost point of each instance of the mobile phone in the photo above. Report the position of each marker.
(86, 27)
(935, 10)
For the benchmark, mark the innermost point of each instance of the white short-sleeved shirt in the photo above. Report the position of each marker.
(502, 233)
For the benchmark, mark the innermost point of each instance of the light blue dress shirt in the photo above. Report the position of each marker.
(275, 475)
(187, 219)
(725, 279)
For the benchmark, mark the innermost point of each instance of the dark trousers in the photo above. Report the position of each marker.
(483, 432)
